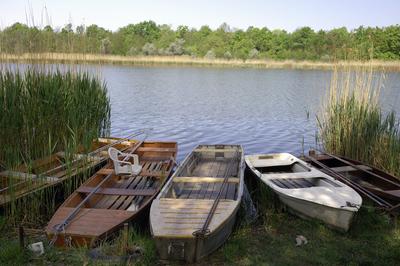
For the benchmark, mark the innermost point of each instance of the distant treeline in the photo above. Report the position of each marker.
(148, 38)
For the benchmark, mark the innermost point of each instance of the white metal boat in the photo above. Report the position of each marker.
(306, 190)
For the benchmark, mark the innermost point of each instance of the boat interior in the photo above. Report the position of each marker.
(296, 173)
(304, 182)
(295, 167)
(361, 177)
(202, 174)
(33, 172)
(129, 192)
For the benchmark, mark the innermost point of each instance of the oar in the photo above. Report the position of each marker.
(136, 133)
(359, 168)
(354, 185)
(60, 227)
(204, 230)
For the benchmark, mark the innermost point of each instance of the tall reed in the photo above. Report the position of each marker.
(44, 111)
(353, 124)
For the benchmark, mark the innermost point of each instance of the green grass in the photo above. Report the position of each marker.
(372, 240)
(352, 122)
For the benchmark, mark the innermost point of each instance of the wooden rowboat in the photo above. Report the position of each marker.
(305, 190)
(385, 188)
(195, 212)
(52, 170)
(118, 199)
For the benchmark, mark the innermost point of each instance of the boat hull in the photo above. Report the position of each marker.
(110, 200)
(170, 248)
(337, 218)
(307, 193)
(203, 194)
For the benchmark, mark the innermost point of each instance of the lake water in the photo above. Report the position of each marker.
(263, 110)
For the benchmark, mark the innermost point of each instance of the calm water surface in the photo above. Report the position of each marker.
(263, 110)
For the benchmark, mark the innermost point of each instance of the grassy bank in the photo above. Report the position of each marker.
(372, 240)
(193, 61)
(45, 111)
(352, 122)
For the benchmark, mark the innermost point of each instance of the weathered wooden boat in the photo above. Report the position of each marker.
(305, 190)
(106, 201)
(371, 182)
(195, 212)
(52, 170)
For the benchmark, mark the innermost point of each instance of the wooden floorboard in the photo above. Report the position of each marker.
(203, 190)
(100, 203)
(217, 188)
(107, 201)
(150, 182)
(231, 191)
(115, 205)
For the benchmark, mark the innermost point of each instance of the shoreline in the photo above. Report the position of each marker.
(197, 62)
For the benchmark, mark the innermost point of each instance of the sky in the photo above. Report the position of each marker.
(273, 14)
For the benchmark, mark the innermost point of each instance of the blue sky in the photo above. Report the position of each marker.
(278, 14)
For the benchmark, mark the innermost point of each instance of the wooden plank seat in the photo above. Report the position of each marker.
(156, 149)
(215, 150)
(341, 169)
(192, 179)
(107, 171)
(118, 191)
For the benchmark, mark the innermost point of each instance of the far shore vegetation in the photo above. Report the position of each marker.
(149, 43)
(185, 60)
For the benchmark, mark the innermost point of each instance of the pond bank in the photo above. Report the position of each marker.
(191, 61)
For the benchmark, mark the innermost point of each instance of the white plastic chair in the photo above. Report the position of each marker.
(124, 167)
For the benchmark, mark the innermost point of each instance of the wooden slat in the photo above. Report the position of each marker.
(185, 191)
(106, 201)
(154, 173)
(144, 172)
(279, 183)
(119, 191)
(136, 201)
(231, 191)
(156, 149)
(203, 190)
(119, 200)
(193, 179)
(215, 150)
(217, 187)
(350, 168)
(89, 222)
(105, 171)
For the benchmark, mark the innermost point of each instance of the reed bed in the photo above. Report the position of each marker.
(195, 61)
(353, 123)
(44, 111)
